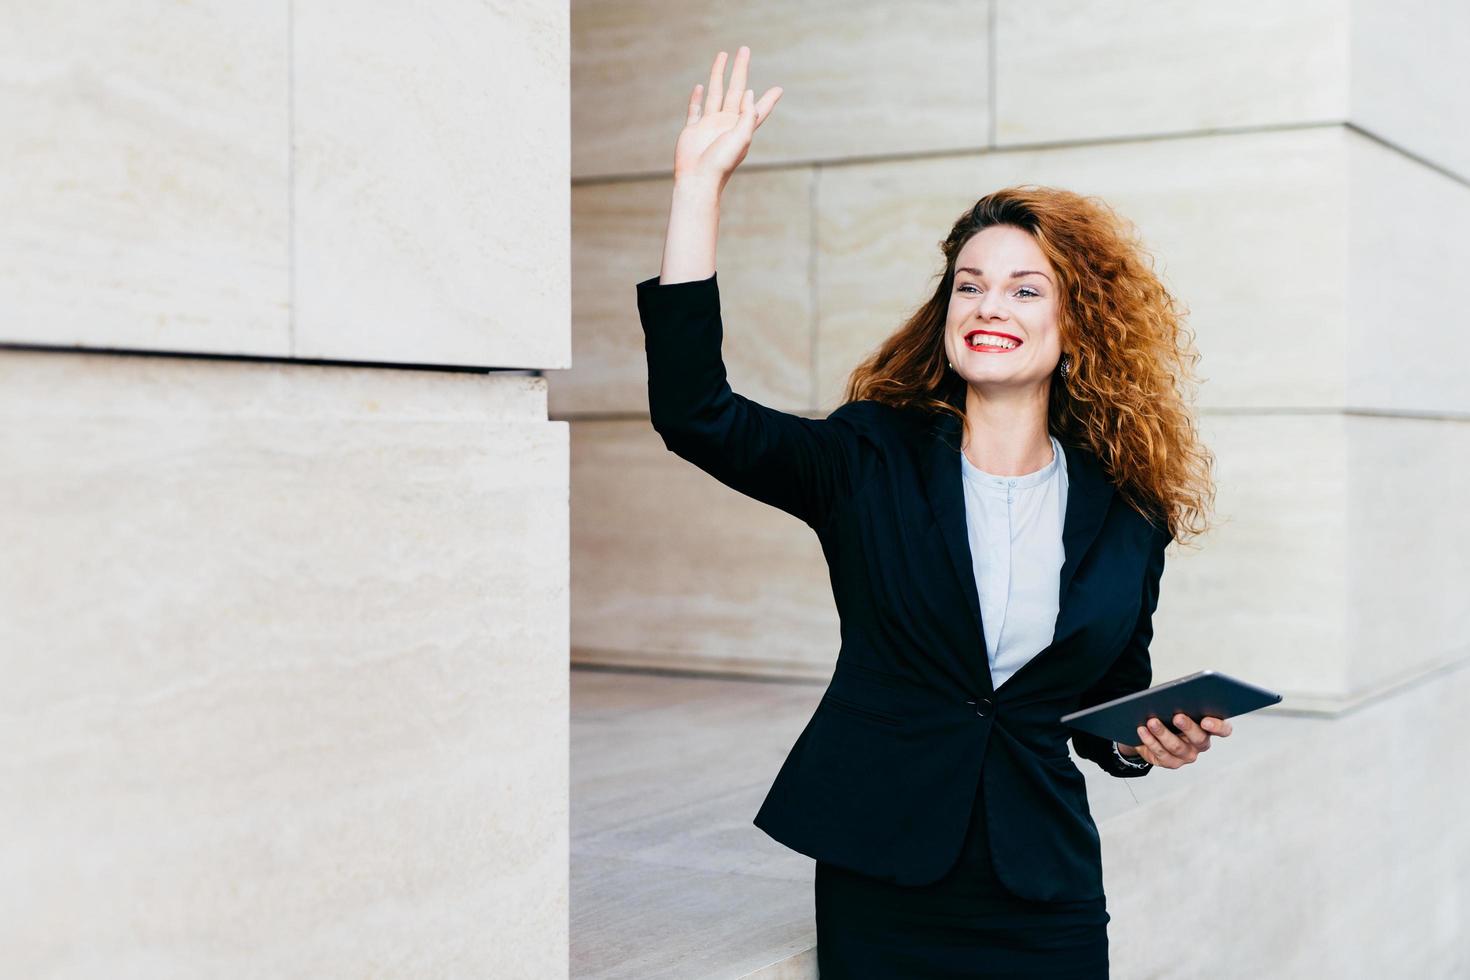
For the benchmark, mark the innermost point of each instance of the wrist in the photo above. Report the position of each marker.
(703, 190)
(1131, 760)
(693, 233)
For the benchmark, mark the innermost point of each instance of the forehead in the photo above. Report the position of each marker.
(1002, 245)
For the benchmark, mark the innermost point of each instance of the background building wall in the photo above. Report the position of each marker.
(1301, 177)
(284, 612)
(1295, 232)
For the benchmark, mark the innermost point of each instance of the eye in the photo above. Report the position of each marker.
(1030, 292)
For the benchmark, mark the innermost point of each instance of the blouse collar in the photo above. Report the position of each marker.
(1021, 482)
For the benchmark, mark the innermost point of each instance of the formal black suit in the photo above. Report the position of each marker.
(883, 777)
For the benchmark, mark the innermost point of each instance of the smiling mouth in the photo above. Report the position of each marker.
(991, 343)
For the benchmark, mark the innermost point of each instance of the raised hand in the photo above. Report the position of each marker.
(717, 133)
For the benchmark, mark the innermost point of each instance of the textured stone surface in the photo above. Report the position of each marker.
(313, 179)
(1337, 568)
(671, 879)
(1411, 77)
(1072, 70)
(1407, 528)
(673, 568)
(767, 303)
(1353, 822)
(848, 75)
(285, 671)
(144, 176)
(1007, 73)
(1409, 327)
(430, 188)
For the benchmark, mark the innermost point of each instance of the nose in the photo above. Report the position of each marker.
(991, 303)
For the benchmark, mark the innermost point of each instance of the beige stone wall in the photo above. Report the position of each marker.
(1314, 236)
(1302, 174)
(284, 615)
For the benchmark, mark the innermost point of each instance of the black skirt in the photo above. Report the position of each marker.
(966, 924)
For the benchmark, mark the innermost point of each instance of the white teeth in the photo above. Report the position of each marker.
(990, 340)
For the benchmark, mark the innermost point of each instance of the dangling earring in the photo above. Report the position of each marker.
(1066, 366)
(951, 364)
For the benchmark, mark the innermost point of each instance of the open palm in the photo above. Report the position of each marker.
(718, 131)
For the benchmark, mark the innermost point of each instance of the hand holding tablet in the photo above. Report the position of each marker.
(1158, 746)
(1169, 724)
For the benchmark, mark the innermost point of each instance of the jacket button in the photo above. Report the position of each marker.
(983, 707)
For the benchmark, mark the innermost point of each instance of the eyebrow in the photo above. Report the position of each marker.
(1014, 275)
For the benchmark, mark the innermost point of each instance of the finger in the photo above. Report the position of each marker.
(766, 104)
(694, 103)
(1193, 734)
(716, 91)
(1171, 742)
(1217, 726)
(747, 110)
(1161, 755)
(1150, 749)
(736, 94)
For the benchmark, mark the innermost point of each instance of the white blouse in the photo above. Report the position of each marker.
(1015, 530)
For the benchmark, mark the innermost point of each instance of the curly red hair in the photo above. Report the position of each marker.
(1132, 357)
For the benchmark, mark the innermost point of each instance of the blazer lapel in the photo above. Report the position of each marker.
(1088, 494)
(942, 483)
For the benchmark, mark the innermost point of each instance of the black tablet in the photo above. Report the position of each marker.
(1207, 692)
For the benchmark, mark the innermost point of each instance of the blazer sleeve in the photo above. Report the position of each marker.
(805, 467)
(1131, 672)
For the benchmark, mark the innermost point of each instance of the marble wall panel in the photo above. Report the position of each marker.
(285, 669)
(857, 79)
(766, 290)
(1407, 528)
(1407, 254)
(430, 183)
(1410, 81)
(672, 568)
(1263, 595)
(1357, 828)
(1054, 73)
(1248, 231)
(1336, 569)
(1075, 70)
(144, 176)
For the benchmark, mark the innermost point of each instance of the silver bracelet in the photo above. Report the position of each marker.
(1132, 762)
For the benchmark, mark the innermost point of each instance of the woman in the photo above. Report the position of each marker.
(993, 499)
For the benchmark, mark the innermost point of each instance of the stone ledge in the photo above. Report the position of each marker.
(668, 771)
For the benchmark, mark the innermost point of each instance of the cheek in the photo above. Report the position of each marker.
(1049, 337)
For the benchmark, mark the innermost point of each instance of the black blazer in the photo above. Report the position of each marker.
(883, 777)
